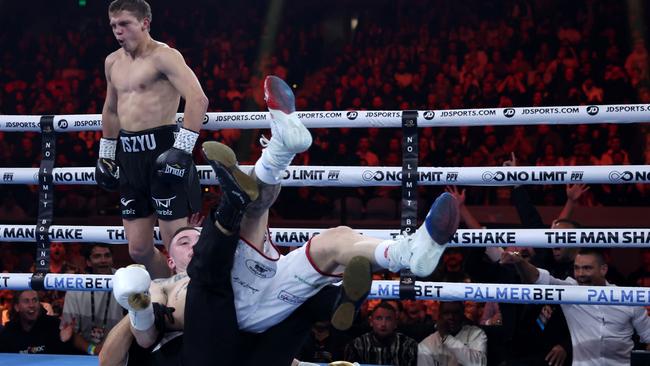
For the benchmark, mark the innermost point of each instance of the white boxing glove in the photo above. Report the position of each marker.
(131, 290)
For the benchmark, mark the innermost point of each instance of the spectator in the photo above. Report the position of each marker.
(451, 265)
(415, 322)
(514, 87)
(636, 64)
(519, 144)
(582, 155)
(491, 314)
(491, 151)
(616, 85)
(525, 340)
(600, 334)
(383, 345)
(365, 154)
(592, 93)
(6, 303)
(610, 158)
(30, 329)
(550, 157)
(456, 342)
(90, 314)
(473, 311)
(324, 344)
(545, 136)
(58, 264)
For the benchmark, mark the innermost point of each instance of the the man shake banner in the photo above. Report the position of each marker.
(541, 238)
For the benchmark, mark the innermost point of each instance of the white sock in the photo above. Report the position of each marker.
(381, 253)
(265, 173)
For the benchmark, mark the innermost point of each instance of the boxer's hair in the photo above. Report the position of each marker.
(139, 8)
(183, 229)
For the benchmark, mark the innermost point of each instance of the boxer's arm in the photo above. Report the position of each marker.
(116, 345)
(170, 62)
(146, 338)
(110, 120)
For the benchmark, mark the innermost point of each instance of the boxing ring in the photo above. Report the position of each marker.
(409, 176)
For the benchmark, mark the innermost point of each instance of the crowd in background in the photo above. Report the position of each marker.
(375, 55)
(419, 55)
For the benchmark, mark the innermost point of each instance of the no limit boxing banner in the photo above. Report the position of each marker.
(409, 216)
(45, 201)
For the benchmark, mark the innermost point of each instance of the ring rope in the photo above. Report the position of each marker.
(516, 293)
(446, 291)
(452, 291)
(474, 238)
(349, 176)
(591, 114)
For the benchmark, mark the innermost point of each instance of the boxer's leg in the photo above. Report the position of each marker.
(332, 249)
(288, 138)
(211, 329)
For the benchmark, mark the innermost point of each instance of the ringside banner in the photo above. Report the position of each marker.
(447, 291)
(539, 238)
(347, 176)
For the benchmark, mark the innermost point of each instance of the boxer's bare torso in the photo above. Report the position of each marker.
(144, 95)
(171, 293)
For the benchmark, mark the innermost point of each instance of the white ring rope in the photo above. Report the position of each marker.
(614, 113)
(516, 293)
(383, 176)
(538, 238)
(364, 176)
(446, 291)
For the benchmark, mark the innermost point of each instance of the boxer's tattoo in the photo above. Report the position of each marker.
(179, 277)
(267, 195)
(174, 279)
(181, 291)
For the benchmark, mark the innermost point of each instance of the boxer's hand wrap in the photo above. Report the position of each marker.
(107, 148)
(107, 172)
(131, 290)
(185, 140)
(173, 165)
